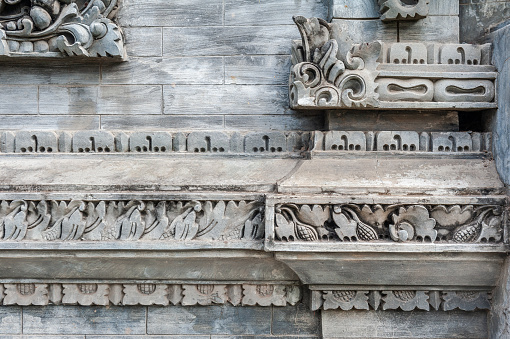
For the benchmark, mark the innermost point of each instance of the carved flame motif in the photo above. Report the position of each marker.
(320, 78)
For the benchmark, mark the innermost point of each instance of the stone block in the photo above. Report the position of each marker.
(270, 12)
(295, 320)
(152, 13)
(168, 71)
(222, 41)
(391, 324)
(210, 142)
(228, 99)
(21, 73)
(129, 99)
(64, 320)
(308, 121)
(345, 9)
(144, 41)
(49, 122)
(10, 320)
(193, 320)
(264, 70)
(150, 142)
(157, 123)
(93, 141)
(431, 28)
(18, 100)
(265, 142)
(68, 100)
(37, 142)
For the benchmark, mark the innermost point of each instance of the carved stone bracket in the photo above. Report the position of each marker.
(395, 222)
(392, 10)
(104, 294)
(405, 300)
(60, 28)
(79, 220)
(326, 74)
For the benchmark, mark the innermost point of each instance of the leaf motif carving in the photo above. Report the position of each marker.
(186, 228)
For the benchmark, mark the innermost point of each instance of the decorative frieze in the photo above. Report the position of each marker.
(386, 223)
(392, 10)
(402, 141)
(60, 28)
(79, 220)
(104, 294)
(199, 142)
(326, 74)
(404, 300)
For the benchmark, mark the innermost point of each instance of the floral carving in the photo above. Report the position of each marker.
(400, 223)
(78, 220)
(60, 28)
(403, 9)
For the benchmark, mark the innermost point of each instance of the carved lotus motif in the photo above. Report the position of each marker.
(265, 290)
(205, 289)
(413, 222)
(146, 289)
(404, 295)
(87, 288)
(344, 296)
(26, 289)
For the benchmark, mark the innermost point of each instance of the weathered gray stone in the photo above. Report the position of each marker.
(295, 320)
(209, 320)
(63, 320)
(10, 320)
(371, 324)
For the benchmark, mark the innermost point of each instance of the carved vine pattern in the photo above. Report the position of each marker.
(399, 223)
(130, 220)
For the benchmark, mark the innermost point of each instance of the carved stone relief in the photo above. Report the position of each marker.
(58, 28)
(198, 142)
(403, 9)
(104, 294)
(404, 300)
(398, 223)
(386, 75)
(79, 220)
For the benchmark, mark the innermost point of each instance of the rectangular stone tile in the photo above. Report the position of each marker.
(252, 40)
(394, 324)
(149, 337)
(271, 12)
(433, 28)
(84, 320)
(180, 70)
(48, 122)
(144, 41)
(175, 13)
(228, 99)
(209, 320)
(348, 9)
(444, 7)
(359, 31)
(48, 73)
(296, 121)
(264, 337)
(155, 122)
(295, 320)
(129, 99)
(18, 100)
(44, 337)
(10, 320)
(266, 70)
(68, 100)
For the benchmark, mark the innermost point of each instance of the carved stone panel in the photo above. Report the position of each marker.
(386, 75)
(383, 223)
(403, 9)
(60, 28)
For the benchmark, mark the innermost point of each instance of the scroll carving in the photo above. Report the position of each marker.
(79, 220)
(328, 74)
(398, 223)
(58, 28)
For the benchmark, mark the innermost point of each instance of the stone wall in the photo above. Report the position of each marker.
(192, 65)
(214, 322)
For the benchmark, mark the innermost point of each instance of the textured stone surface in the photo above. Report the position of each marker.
(77, 320)
(296, 320)
(209, 320)
(338, 324)
(10, 320)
